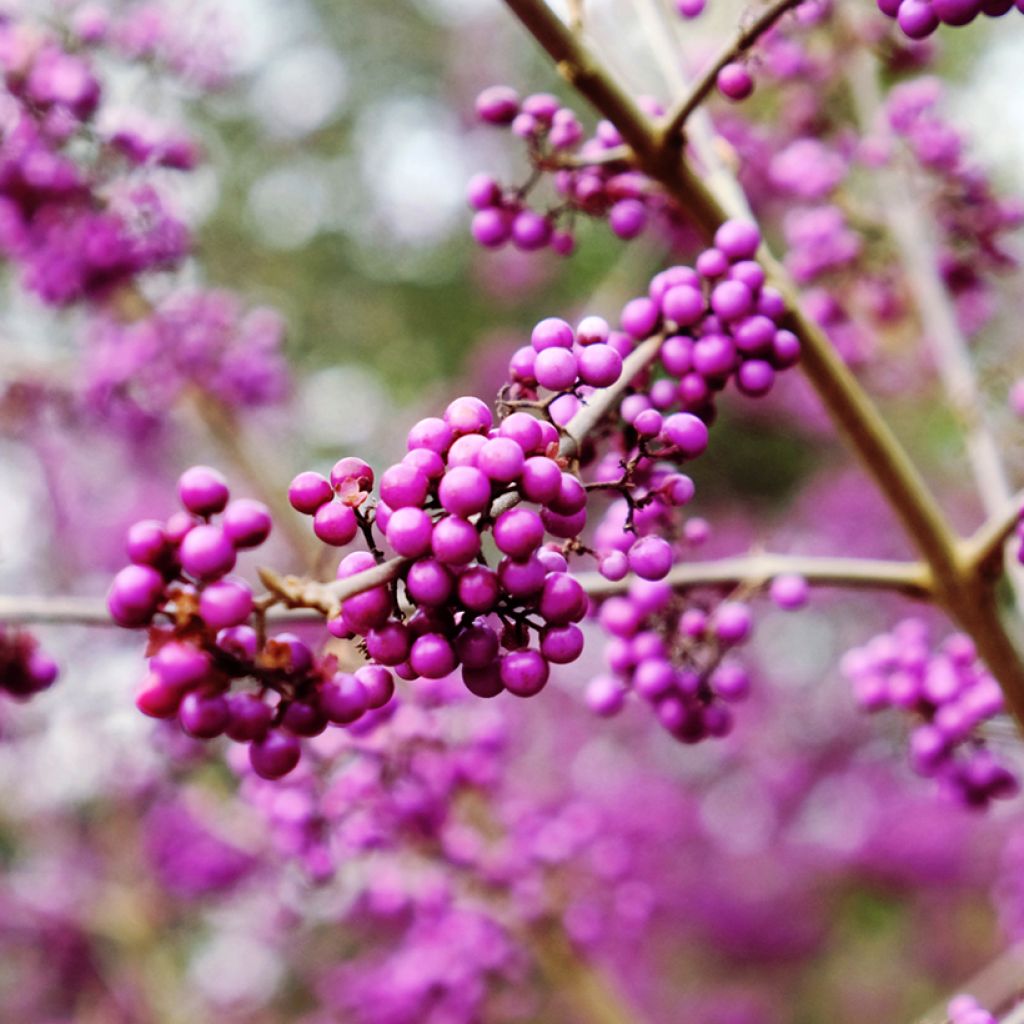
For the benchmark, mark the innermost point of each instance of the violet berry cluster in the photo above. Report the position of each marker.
(73, 237)
(950, 693)
(86, 221)
(25, 669)
(672, 653)
(466, 486)
(918, 19)
(588, 178)
(977, 226)
(678, 653)
(210, 664)
(468, 482)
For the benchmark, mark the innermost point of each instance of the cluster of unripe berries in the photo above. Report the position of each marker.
(965, 1009)
(951, 693)
(467, 492)
(25, 669)
(920, 18)
(675, 654)
(203, 636)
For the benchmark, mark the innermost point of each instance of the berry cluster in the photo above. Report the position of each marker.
(73, 237)
(423, 756)
(134, 372)
(918, 19)
(721, 323)
(589, 177)
(671, 652)
(965, 1009)
(87, 220)
(674, 651)
(462, 479)
(953, 694)
(25, 669)
(206, 634)
(976, 225)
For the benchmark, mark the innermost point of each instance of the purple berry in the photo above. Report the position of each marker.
(225, 603)
(524, 673)
(246, 523)
(203, 490)
(308, 491)
(206, 552)
(274, 756)
(735, 82)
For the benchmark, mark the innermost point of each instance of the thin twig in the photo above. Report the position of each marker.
(911, 578)
(750, 30)
(20, 609)
(986, 545)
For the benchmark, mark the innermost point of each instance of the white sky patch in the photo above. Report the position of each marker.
(414, 169)
(342, 405)
(300, 90)
(990, 106)
(288, 205)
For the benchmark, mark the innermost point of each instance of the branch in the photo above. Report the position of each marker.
(746, 36)
(985, 546)
(20, 610)
(911, 578)
(840, 391)
(958, 588)
(576, 979)
(309, 601)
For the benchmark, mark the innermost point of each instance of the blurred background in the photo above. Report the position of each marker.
(797, 872)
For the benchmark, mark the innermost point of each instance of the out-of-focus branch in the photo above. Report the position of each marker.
(913, 233)
(576, 980)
